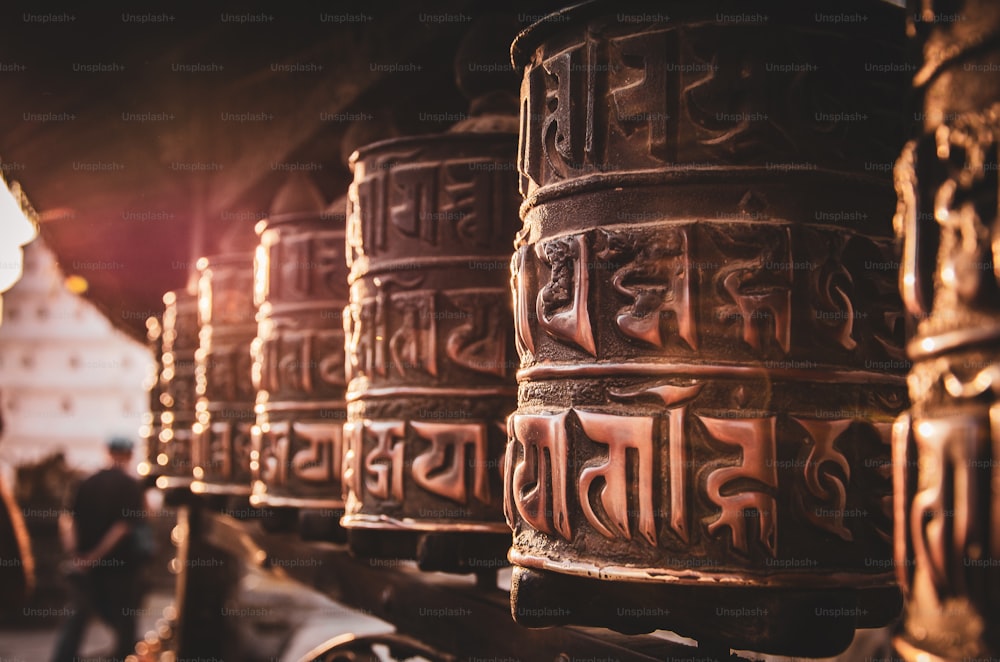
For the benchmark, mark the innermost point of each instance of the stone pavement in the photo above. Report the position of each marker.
(37, 644)
(296, 619)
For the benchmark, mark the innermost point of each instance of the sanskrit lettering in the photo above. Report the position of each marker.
(442, 469)
(759, 286)
(384, 463)
(657, 280)
(822, 481)
(537, 472)
(443, 203)
(562, 304)
(757, 474)
(320, 460)
(521, 283)
(413, 346)
(640, 99)
(676, 399)
(620, 434)
(274, 454)
(480, 344)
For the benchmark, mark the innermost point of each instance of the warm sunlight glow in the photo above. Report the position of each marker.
(76, 284)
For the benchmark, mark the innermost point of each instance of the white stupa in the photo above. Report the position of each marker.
(68, 379)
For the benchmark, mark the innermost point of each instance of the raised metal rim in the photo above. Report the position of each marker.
(263, 498)
(531, 37)
(929, 346)
(687, 174)
(431, 391)
(656, 575)
(204, 487)
(384, 522)
(432, 139)
(677, 368)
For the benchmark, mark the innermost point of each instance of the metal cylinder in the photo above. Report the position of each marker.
(152, 421)
(180, 343)
(225, 407)
(707, 321)
(945, 449)
(429, 344)
(300, 287)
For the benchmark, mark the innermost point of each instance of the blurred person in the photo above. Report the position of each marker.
(105, 567)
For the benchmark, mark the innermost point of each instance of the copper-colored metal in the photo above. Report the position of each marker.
(152, 423)
(180, 343)
(300, 289)
(947, 447)
(225, 408)
(429, 335)
(708, 325)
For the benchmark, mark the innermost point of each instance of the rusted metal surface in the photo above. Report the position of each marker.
(946, 447)
(225, 408)
(708, 325)
(429, 340)
(180, 343)
(301, 289)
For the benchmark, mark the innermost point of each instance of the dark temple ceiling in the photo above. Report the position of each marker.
(130, 127)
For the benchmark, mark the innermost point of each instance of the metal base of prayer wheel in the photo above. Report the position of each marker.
(457, 553)
(320, 524)
(790, 621)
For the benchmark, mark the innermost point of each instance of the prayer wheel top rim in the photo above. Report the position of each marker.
(225, 259)
(300, 200)
(178, 297)
(327, 219)
(430, 139)
(533, 36)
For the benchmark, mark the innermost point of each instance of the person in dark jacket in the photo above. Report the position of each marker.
(105, 570)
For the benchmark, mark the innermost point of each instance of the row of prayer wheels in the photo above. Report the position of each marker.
(674, 394)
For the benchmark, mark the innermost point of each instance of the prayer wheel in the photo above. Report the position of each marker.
(429, 328)
(225, 407)
(709, 331)
(300, 287)
(430, 348)
(946, 448)
(177, 378)
(152, 421)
